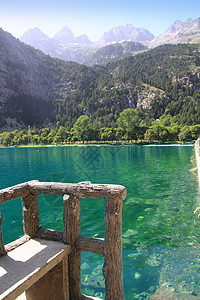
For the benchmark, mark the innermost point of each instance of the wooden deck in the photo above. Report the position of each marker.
(25, 265)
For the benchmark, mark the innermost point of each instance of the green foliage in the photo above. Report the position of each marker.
(128, 123)
(188, 133)
(159, 132)
(108, 134)
(83, 128)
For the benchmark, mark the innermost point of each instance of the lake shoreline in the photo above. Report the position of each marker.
(98, 144)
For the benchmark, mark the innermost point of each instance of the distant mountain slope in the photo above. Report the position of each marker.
(31, 82)
(65, 37)
(180, 32)
(114, 52)
(63, 45)
(66, 46)
(37, 39)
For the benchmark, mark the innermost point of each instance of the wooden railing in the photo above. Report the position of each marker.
(110, 247)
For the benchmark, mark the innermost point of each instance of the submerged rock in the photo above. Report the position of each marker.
(85, 266)
(129, 233)
(154, 260)
(96, 279)
(137, 275)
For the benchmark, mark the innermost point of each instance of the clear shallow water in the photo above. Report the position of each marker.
(160, 231)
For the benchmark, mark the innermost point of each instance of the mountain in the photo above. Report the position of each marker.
(37, 39)
(65, 36)
(63, 39)
(164, 79)
(83, 40)
(32, 82)
(36, 89)
(114, 52)
(126, 33)
(66, 46)
(179, 32)
(63, 45)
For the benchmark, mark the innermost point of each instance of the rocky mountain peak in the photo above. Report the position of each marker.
(192, 25)
(34, 35)
(177, 25)
(187, 26)
(124, 33)
(83, 40)
(65, 35)
(180, 32)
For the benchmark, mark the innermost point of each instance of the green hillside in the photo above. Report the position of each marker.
(41, 91)
(174, 71)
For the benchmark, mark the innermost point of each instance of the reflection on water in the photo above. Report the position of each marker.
(161, 233)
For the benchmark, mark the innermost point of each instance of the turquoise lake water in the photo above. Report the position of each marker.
(161, 233)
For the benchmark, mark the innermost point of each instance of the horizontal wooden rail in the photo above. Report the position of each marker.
(92, 245)
(50, 234)
(14, 192)
(81, 190)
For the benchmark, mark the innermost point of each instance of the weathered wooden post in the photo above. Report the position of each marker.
(2, 250)
(71, 232)
(31, 218)
(113, 272)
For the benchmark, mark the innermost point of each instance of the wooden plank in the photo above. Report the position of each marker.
(71, 232)
(50, 287)
(65, 279)
(25, 265)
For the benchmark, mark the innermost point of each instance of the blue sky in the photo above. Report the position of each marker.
(93, 17)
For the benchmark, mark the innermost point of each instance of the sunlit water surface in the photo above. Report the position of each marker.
(161, 233)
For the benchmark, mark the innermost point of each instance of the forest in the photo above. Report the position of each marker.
(162, 83)
(129, 129)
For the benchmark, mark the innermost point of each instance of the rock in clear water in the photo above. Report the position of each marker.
(137, 275)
